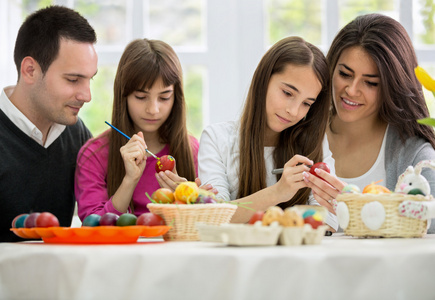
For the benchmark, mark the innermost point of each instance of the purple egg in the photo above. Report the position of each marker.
(205, 200)
(30, 221)
(109, 219)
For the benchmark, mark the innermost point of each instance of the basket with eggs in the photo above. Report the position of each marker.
(186, 206)
(379, 212)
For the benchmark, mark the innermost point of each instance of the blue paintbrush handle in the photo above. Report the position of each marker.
(149, 152)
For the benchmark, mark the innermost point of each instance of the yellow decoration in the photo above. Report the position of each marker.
(425, 79)
(186, 192)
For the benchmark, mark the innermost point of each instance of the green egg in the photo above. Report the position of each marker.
(416, 192)
(126, 220)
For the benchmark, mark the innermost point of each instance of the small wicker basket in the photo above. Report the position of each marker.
(183, 218)
(394, 224)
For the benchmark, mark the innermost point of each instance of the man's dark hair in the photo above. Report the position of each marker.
(40, 34)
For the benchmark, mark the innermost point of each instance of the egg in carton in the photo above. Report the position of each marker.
(303, 224)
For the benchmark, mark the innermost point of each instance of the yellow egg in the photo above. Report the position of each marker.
(318, 217)
(186, 192)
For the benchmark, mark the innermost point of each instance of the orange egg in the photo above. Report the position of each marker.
(163, 195)
(375, 189)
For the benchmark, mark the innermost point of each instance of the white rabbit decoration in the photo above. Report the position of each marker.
(412, 179)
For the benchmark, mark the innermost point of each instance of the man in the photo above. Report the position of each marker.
(40, 132)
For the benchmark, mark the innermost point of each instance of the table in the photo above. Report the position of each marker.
(340, 268)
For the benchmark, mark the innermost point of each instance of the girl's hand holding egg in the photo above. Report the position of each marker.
(166, 173)
(292, 179)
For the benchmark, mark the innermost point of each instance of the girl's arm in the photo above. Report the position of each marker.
(291, 181)
(91, 186)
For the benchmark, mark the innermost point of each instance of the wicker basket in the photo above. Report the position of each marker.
(393, 226)
(183, 218)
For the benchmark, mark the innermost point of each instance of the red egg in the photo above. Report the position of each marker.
(257, 216)
(166, 162)
(313, 222)
(47, 219)
(150, 219)
(319, 165)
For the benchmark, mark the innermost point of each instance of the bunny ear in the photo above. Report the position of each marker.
(424, 164)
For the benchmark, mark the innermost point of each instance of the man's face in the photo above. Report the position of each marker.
(58, 95)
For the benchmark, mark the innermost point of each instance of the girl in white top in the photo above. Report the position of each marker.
(283, 125)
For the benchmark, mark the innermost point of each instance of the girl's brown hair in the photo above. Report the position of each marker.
(142, 63)
(304, 138)
(401, 96)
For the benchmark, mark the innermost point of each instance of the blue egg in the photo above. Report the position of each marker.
(351, 188)
(92, 220)
(19, 223)
(308, 213)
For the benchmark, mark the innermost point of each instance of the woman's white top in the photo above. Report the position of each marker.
(376, 173)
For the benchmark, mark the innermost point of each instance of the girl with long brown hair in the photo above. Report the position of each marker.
(283, 125)
(113, 173)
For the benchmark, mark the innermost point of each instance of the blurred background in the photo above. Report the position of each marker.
(219, 42)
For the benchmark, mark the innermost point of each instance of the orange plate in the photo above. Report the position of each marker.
(91, 235)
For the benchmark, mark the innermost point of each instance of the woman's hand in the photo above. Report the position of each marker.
(324, 190)
(292, 178)
(134, 156)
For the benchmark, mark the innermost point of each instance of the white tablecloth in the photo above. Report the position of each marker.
(339, 268)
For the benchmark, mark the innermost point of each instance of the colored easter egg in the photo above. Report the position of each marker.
(351, 188)
(91, 220)
(165, 163)
(308, 212)
(186, 192)
(416, 192)
(313, 222)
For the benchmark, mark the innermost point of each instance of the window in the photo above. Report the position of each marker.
(219, 42)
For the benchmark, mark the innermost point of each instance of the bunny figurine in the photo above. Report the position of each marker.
(412, 179)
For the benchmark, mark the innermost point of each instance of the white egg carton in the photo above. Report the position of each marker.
(259, 235)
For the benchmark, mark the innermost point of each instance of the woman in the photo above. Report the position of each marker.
(283, 125)
(114, 174)
(373, 133)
